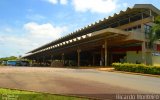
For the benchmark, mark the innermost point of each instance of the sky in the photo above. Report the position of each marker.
(28, 24)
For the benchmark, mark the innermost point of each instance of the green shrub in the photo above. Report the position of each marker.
(138, 68)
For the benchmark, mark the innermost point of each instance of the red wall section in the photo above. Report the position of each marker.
(122, 49)
(158, 47)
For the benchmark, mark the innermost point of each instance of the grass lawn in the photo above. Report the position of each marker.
(8, 94)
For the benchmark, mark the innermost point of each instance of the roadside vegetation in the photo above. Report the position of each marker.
(14, 61)
(154, 33)
(6, 59)
(9, 58)
(138, 68)
(8, 94)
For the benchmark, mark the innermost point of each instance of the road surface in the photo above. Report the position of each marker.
(81, 82)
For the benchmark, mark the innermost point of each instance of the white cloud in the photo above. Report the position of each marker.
(11, 40)
(63, 2)
(40, 34)
(96, 6)
(44, 30)
(53, 1)
(14, 45)
(35, 35)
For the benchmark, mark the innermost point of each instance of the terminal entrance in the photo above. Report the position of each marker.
(118, 57)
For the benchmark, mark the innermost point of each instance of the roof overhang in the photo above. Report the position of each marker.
(147, 6)
(110, 33)
(93, 26)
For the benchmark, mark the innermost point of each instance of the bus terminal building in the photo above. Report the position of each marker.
(119, 38)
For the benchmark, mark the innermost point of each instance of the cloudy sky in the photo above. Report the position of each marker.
(28, 24)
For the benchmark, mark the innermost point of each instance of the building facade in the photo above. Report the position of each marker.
(120, 38)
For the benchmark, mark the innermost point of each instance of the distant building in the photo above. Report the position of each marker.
(120, 38)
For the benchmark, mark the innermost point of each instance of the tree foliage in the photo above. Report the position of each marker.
(8, 58)
(156, 28)
(154, 33)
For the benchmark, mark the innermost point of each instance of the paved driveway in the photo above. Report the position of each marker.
(83, 82)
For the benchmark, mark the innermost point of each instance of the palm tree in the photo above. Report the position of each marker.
(154, 33)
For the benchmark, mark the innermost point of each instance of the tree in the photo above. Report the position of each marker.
(8, 58)
(154, 33)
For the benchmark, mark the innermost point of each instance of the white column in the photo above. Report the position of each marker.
(105, 52)
(78, 52)
(51, 60)
(102, 56)
(43, 61)
(63, 58)
(143, 53)
(93, 60)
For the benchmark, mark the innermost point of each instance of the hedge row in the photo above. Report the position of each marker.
(138, 68)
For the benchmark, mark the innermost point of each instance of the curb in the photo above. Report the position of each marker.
(150, 75)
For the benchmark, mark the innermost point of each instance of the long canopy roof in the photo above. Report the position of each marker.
(100, 24)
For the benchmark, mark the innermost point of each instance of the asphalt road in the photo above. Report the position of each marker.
(81, 82)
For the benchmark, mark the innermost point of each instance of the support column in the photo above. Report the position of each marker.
(63, 58)
(105, 52)
(33, 62)
(102, 57)
(93, 59)
(143, 53)
(37, 62)
(51, 60)
(78, 52)
(43, 61)
(143, 44)
(150, 12)
(40, 62)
